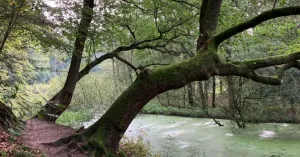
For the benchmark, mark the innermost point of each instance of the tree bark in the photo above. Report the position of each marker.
(60, 102)
(190, 93)
(13, 19)
(213, 100)
(221, 85)
(230, 92)
(206, 93)
(203, 101)
(106, 133)
(109, 129)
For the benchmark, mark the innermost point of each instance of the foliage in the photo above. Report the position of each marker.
(74, 119)
(156, 33)
(136, 146)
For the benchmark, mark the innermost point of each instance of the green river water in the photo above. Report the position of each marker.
(172, 136)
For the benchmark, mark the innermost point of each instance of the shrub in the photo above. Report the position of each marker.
(136, 146)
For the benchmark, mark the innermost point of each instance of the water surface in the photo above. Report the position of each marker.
(199, 137)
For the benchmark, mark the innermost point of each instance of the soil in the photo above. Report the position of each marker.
(38, 133)
(5, 144)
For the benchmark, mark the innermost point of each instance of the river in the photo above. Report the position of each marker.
(172, 136)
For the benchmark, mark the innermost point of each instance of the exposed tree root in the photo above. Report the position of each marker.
(79, 142)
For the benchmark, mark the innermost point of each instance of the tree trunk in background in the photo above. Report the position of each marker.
(206, 90)
(115, 76)
(184, 98)
(230, 80)
(213, 100)
(12, 21)
(293, 110)
(240, 93)
(203, 101)
(221, 85)
(190, 93)
(60, 102)
(230, 92)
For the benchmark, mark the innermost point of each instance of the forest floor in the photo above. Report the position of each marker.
(10, 146)
(38, 133)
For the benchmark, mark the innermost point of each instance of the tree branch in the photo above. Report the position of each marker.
(269, 61)
(127, 63)
(139, 45)
(136, 5)
(155, 64)
(274, 5)
(186, 3)
(92, 64)
(264, 16)
(131, 32)
(247, 70)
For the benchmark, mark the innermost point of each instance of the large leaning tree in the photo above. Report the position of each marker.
(104, 135)
(97, 28)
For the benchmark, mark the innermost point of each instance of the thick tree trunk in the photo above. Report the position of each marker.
(60, 102)
(109, 129)
(51, 111)
(105, 134)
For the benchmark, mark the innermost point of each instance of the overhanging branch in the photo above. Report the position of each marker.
(127, 63)
(92, 64)
(139, 45)
(264, 16)
(247, 68)
(269, 61)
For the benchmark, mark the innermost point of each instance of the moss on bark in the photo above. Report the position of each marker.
(104, 135)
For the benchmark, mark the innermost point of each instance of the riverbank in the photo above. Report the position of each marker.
(263, 115)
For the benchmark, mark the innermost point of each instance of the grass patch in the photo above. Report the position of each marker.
(74, 119)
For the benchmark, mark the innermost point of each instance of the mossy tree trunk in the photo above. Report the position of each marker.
(106, 133)
(110, 128)
(60, 102)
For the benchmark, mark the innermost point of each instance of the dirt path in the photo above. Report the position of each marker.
(38, 132)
